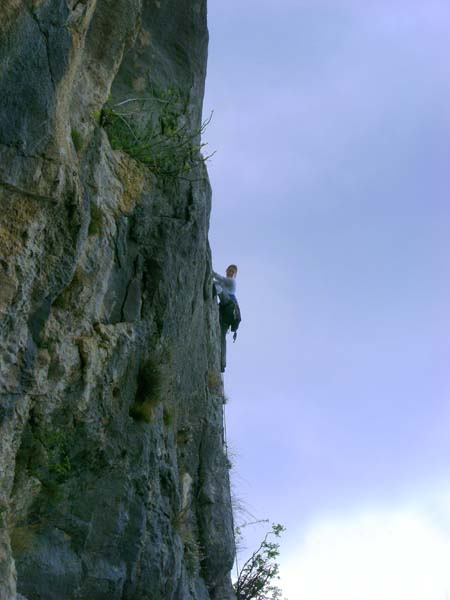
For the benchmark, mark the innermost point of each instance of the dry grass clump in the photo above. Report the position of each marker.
(214, 381)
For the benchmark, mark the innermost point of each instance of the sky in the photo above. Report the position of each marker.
(331, 193)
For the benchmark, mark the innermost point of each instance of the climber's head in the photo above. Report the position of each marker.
(232, 271)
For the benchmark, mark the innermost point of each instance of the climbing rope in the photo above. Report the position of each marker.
(224, 427)
(225, 448)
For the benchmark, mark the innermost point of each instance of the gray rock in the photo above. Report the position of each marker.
(113, 478)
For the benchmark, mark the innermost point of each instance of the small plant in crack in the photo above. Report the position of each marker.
(192, 549)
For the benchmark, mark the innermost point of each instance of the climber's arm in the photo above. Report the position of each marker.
(221, 278)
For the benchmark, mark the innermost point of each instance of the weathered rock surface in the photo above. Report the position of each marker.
(113, 479)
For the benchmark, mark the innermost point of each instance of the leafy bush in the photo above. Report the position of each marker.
(256, 578)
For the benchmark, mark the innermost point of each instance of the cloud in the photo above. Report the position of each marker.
(399, 555)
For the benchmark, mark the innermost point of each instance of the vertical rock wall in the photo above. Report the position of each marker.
(113, 479)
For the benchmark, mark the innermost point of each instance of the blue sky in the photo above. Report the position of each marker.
(331, 192)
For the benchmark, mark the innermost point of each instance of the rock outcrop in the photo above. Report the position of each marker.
(113, 480)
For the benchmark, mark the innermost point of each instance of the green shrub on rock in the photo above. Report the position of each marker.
(154, 130)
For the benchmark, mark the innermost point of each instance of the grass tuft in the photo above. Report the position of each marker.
(77, 140)
(149, 392)
(168, 416)
(96, 222)
(22, 538)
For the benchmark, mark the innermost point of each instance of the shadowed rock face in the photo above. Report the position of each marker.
(113, 479)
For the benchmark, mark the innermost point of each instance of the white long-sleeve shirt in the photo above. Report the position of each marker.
(228, 283)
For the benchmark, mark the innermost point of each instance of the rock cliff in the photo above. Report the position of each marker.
(113, 479)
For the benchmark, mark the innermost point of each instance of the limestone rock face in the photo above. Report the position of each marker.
(113, 479)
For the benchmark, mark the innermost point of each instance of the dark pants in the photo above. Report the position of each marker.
(223, 347)
(224, 298)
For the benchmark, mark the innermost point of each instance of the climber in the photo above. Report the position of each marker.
(229, 312)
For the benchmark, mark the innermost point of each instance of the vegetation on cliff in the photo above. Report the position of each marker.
(154, 130)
